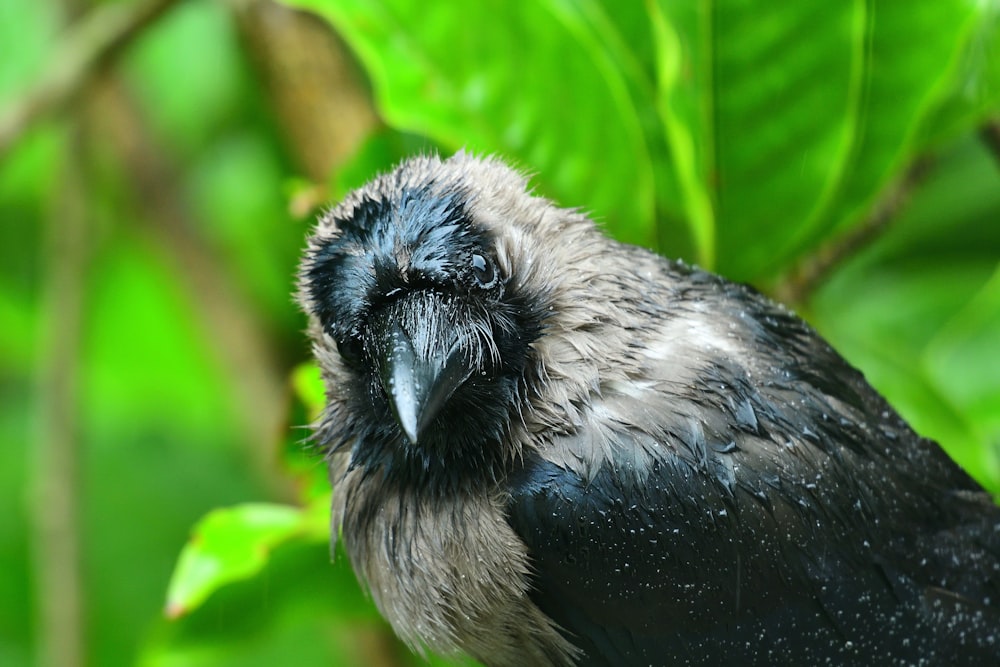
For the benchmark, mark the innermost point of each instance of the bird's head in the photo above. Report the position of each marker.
(427, 290)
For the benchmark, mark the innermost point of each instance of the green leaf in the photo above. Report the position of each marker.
(235, 543)
(964, 362)
(302, 609)
(786, 89)
(308, 387)
(684, 108)
(919, 311)
(529, 79)
(753, 129)
(911, 54)
(380, 152)
(973, 92)
(303, 460)
(804, 111)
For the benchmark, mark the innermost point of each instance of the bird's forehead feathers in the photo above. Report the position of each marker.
(420, 223)
(426, 194)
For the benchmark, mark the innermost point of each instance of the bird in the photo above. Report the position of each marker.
(548, 447)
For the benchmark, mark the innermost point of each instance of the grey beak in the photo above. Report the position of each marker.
(419, 385)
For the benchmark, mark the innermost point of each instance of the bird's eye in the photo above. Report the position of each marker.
(351, 350)
(484, 270)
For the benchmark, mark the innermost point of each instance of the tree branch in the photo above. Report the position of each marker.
(91, 44)
(231, 325)
(55, 471)
(317, 91)
(811, 272)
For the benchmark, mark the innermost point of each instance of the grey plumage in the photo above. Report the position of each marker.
(550, 448)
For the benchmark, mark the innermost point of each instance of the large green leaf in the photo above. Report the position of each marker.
(785, 95)
(919, 311)
(235, 543)
(530, 79)
(962, 359)
(911, 52)
(973, 93)
(683, 104)
(756, 129)
(803, 111)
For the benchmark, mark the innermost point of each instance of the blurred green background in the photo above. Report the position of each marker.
(161, 162)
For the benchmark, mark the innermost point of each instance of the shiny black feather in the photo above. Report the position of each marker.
(789, 519)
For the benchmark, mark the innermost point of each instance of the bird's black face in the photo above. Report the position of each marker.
(433, 341)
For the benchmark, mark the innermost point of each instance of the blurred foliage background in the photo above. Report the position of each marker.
(161, 162)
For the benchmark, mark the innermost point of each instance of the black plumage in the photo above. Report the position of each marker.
(551, 448)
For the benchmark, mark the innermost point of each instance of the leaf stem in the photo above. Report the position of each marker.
(799, 284)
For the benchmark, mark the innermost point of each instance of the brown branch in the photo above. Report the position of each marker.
(91, 44)
(989, 133)
(234, 330)
(55, 475)
(317, 91)
(799, 284)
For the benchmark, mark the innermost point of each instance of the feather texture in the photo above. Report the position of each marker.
(636, 463)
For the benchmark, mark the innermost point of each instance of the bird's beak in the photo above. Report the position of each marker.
(420, 368)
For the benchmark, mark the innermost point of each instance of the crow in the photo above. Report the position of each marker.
(551, 448)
